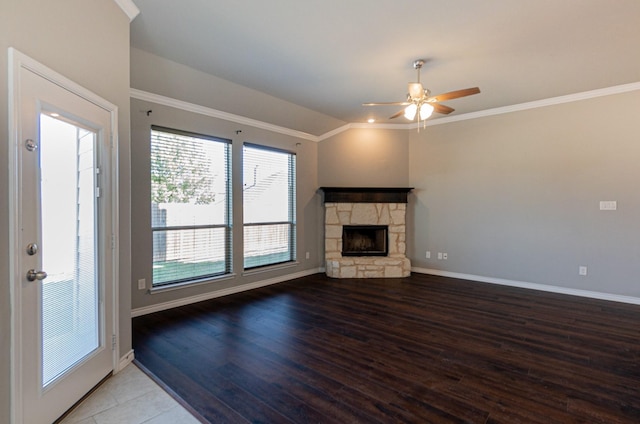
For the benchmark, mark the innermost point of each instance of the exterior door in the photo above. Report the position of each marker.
(64, 238)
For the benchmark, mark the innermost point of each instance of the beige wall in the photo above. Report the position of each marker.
(364, 158)
(87, 42)
(154, 74)
(516, 196)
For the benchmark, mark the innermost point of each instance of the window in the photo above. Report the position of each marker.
(190, 206)
(269, 206)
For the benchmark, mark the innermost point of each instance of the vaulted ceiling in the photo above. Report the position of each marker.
(331, 56)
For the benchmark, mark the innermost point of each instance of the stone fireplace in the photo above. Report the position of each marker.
(375, 217)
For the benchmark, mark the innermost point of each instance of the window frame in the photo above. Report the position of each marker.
(292, 181)
(228, 212)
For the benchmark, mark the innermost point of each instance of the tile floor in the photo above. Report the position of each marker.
(129, 397)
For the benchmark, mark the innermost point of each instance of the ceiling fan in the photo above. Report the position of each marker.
(421, 103)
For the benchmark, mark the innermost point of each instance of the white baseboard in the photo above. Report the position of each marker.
(219, 293)
(124, 361)
(532, 286)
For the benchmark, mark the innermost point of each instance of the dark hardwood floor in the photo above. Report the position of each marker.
(424, 349)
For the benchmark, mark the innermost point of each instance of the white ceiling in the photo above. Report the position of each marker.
(332, 55)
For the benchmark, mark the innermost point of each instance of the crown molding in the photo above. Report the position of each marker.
(214, 113)
(618, 89)
(358, 125)
(129, 8)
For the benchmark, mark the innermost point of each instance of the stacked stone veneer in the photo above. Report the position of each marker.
(396, 264)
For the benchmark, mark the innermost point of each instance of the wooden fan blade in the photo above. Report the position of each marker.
(395, 115)
(455, 94)
(387, 104)
(440, 108)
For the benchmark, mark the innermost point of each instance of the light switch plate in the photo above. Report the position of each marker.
(608, 205)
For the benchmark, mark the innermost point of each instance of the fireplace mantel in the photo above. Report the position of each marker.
(366, 194)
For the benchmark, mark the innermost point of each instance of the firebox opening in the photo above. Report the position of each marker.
(364, 240)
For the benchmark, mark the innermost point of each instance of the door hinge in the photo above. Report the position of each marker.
(113, 241)
(113, 342)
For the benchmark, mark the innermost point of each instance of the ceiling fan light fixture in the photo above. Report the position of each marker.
(426, 110)
(410, 111)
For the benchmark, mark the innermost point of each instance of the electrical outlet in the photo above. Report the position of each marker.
(582, 270)
(439, 255)
(428, 255)
(307, 255)
(445, 256)
(142, 284)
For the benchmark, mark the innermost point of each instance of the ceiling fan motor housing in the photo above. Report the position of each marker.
(416, 90)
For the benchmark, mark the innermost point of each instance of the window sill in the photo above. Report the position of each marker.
(183, 285)
(264, 269)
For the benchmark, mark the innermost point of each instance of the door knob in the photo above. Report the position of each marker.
(33, 275)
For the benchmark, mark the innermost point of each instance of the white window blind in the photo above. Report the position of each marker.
(70, 293)
(190, 206)
(269, 202)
